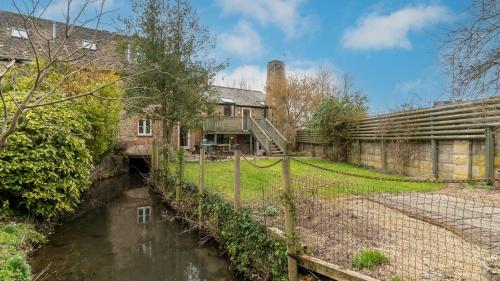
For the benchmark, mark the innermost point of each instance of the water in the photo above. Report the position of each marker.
(126, 239)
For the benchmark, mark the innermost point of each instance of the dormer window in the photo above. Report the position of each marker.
(19, 33)
(226, 100)
(262, 103)
(86, 44)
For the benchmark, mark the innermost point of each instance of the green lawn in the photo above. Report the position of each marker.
(258, 183)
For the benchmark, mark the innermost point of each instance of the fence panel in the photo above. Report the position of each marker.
(413, 235)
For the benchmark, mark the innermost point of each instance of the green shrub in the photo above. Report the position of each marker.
(251, 249)
(46, 163)
(16, 239)
(369, 259)
(46, 166)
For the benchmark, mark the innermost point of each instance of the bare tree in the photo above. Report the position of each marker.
(472, 52)
(49, 52)
(293, 107)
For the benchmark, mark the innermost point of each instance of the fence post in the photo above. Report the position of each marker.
(290, 236)
(435, 158)
(180, 176)
(154, 166)
(470, 160)
(201, 184)
(489, 156)
(237, 199)
(383, 154)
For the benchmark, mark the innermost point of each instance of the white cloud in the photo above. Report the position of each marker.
(409, 86)
(253, 77)
(285, 14)
(375, 31)
(246, 76)
(244, 41)
(57, 9)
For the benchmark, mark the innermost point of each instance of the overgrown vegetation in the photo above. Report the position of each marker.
(369, 259)
(251, 249)
(46, 163)
(16, 239)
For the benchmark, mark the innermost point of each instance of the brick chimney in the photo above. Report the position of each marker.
(275, 92)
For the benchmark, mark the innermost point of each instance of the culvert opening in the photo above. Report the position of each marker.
(139, 164)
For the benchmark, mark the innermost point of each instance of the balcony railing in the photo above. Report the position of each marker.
(225, 124)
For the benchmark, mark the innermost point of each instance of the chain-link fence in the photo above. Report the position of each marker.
(372, 226)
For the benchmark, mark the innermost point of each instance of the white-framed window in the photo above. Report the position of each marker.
(143, 214)
(144, 127)
(19, 33)
(87, 44)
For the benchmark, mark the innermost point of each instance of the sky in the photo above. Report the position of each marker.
(391, 49)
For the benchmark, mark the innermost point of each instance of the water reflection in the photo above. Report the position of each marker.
(127, 240)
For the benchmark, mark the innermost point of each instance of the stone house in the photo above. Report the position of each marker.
(240, 115)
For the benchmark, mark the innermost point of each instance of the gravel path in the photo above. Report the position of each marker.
(474, 219)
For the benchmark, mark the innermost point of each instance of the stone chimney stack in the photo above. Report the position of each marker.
(275, 93)
(275, 70)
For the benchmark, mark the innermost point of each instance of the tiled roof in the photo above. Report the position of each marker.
(104, 57)
(241, 96)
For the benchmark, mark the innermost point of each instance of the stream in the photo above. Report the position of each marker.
(119, 234)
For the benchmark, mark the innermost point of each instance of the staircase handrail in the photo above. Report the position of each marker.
(275, 134)
(268, 140)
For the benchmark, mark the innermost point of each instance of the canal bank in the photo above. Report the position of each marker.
(121, 234)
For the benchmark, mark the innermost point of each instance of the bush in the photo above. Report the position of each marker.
(369, 259)
(251, 249)
(16, 240)
(46, 166)
(46, 163)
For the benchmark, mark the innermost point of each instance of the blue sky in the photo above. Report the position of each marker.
(390, 48)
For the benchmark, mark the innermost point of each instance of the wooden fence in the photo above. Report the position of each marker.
(466, 121)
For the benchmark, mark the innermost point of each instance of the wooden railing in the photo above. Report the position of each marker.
(273, 133)
(224, 124)
(261, 128)
(260, 134)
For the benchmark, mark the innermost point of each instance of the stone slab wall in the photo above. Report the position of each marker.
(457, 159)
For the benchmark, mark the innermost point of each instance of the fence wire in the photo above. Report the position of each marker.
(437, 234)
(423, 235)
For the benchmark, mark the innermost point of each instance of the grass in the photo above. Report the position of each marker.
(219, 178)
(16, 240)
(369, 259)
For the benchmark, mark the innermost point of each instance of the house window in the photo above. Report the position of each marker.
(144, 127)
(86, 44)
(228, 110)
(143, 214)
(263, 103)
(19, 33)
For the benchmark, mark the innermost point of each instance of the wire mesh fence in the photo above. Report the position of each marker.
(406, 231)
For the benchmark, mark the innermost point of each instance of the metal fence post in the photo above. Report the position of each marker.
(290, 236)
(237, 199)
(201, 184)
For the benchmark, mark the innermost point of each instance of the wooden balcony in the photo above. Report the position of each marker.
(227, 125)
